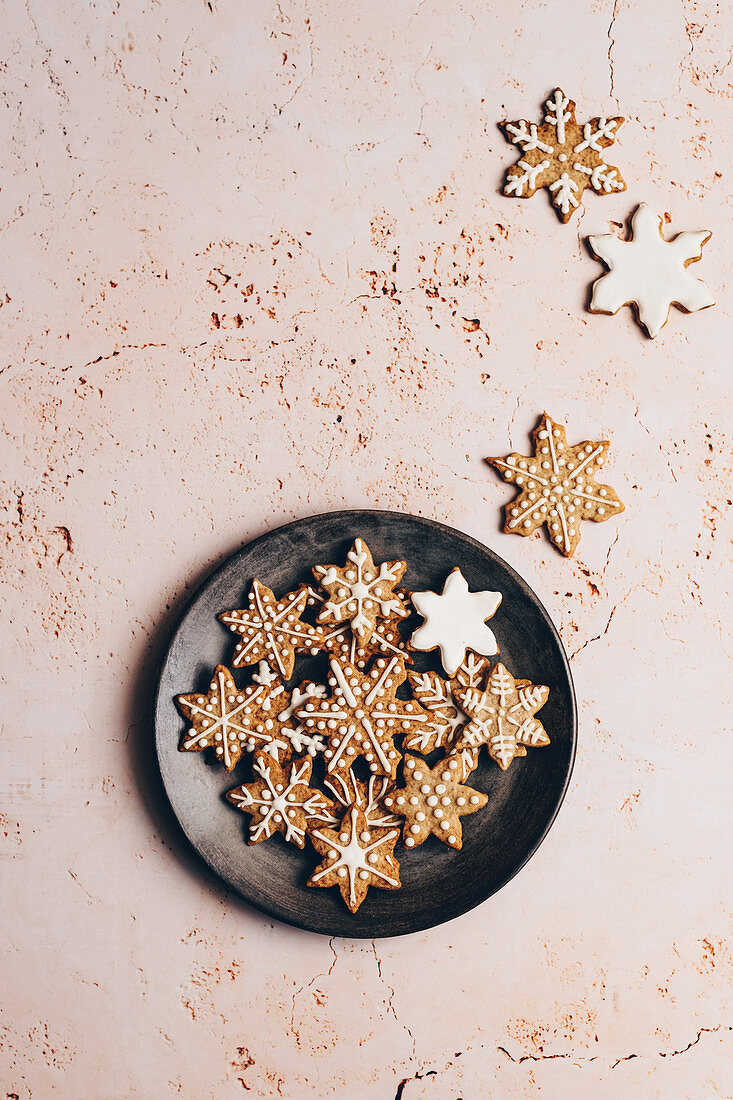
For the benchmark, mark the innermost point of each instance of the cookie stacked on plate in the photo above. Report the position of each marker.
(374, 753)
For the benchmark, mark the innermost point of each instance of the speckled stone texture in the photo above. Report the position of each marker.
(256, 266)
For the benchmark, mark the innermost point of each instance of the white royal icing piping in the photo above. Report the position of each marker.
(455, 621)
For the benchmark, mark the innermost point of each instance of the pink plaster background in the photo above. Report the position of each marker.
(244, 249)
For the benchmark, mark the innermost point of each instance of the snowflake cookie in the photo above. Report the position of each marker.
(355, 857)
(563, 156)
(362, 717)
(503, 716)
(280, 800)
(436, 696)
(455, 620)
(271, 630)
(557, 486)
(648, 272)
(360, 593)
(433, 800)
(225, 718)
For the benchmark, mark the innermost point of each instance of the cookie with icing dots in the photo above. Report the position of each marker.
(433, 800)
(362, 716)
(360, 592)
(354, 857)
(557, 486)
(226, 718)
(270, 630)
(279, 799)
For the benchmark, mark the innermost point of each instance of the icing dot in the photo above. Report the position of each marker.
(433, 800)
(414, 828)
(344, 838)
(409, 842)
(363, 874)
(437, 812)
(425, 789)
(341, 872)
(364, 836)
(452, 839)
(475, 799)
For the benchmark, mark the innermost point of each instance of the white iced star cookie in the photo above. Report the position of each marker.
(455, 620)
(649, 272)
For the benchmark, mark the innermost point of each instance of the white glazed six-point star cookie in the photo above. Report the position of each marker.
(503, 716)
(562, 156)
(649, 272)
(270, 629)
(360, 592)
(455, 620)
(557, 486)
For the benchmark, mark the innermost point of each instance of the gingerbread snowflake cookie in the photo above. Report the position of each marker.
(362, 716)
(562, 155)
(279, 800)
(433, 800)
(557, 486)
(649, 272)
(270, 630)
(355, 857)
(226, 718)
(455, 620)
(360, 592)
(367, 795)
(503, 716)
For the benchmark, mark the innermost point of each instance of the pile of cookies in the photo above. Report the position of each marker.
(369, 746)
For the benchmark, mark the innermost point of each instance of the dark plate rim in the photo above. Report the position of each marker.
(256, 903)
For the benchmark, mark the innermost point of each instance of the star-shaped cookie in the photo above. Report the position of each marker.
(648, 272)
(503, 716)
(280, 800)
(563, 156)
(270, 630)
(433, 800)
(360, 592)
(226, 717)
(362, 717)
(557, 486)
(455, 620)
(355, 857)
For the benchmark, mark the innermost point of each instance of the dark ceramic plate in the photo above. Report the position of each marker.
(437, 883)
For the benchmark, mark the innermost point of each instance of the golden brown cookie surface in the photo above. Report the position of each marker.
(280, 800)
(355, 857)
(221, 718)
(270, 630)
(503, 716)
(433, 800)
(362, 717)
(360, 592)
(562, 155)
(557, 486)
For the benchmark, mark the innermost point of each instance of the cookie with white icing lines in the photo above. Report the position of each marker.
(362, 717)
(270, 630)
(360, 592)
(355, 857)
(648, 272)
(455, 620)
(562, 155)
(557, 486)
(279, 800)
(367, 795)
(503, 717)
(433, 800)
(225, 718)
